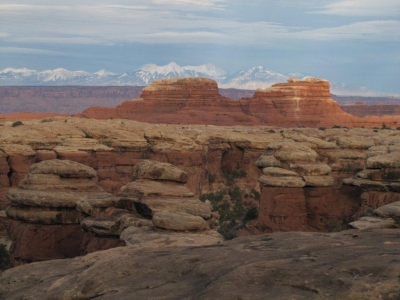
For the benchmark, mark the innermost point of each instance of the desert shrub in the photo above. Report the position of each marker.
(271, 131)
(336, 225)
(384, 126)
(336, 126)
(375, 130)
(5, 260)
(322, 128)
(17, 123)
(251, 214)
(228, 231)
(398, 128)
(211, 177)
(255, 194)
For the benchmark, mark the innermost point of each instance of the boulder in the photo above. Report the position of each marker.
(286, 181)
(311, 169)
(149, 206)
(149, 169)
(389, 210)
(44, 215)
(276, 172)
(290, 151)
(319, 180)
(179, 221)
(389, 160)
(372, 223)
(63, 168)
(267, 161)
(147, 188)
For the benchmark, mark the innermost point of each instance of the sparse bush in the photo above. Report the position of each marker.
(336, 126)
(227, 231)
(322, 128)
(17, 123)
(336, 225)
(398, 128)
(211, 177)
(5, 260)
(271, 131)
(384, 126)
(375, 130)
(251, 214)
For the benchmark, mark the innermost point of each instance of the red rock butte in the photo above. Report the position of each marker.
(197, 101)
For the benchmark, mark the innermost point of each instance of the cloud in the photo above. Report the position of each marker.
(370, 30)
(199, 3)
(21, 50)
(160, 21)
(362, 8)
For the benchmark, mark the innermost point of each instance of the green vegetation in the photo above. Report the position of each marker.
(17, 123)
(233, 210)
(271, 131)
(322, 128)
(384, 126)
(211, 177)
(336, 225)
(235, 174)
(336, 126)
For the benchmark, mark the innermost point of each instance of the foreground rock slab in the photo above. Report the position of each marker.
(345, 265)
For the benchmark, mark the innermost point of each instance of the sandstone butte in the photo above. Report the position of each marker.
(197, 101)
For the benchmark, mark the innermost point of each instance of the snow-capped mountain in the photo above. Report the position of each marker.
(252, 79)
(257, 77)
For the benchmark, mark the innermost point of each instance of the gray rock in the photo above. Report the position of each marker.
(372, 223)
(389, 210)
(272, 171)
(319, 180)
(265, 161)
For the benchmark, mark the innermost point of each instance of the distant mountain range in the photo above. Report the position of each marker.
(257, 77)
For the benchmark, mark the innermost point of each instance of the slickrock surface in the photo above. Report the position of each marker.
(197, 101)
(295, 265)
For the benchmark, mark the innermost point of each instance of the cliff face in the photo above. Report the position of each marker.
(197, 101)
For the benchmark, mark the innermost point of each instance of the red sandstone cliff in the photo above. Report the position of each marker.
(197, 101)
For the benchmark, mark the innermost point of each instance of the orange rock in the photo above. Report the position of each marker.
(197, 101)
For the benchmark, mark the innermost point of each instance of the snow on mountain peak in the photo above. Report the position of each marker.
(103, 73)
(21, 71)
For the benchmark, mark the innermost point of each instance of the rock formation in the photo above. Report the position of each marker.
(197, 101)
(46, 224)
(293, 265)
(59, 198)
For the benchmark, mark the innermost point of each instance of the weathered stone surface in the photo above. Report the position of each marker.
(319, 180)
(179, 221)
(311, 169)
(339, 265)
(150, 206)
(355, 142)
(372, 223)
(286, 181)
(147, 237)
(390, 160)
(291, 151)
(389, 210)
(265, 161)
(94, 205)
(101, 226)
(148, 169)
(377, 150)
(44, 215)
(46, 198)
(148, 188)
(276, 172)
(63, 168)
(131, 220)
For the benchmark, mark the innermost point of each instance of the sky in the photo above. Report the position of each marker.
(351, 41)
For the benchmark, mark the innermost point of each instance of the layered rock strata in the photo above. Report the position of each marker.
(46, 224)
(197, 101)
(60, 211)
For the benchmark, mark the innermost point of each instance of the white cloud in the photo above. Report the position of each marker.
(370, 30)
(362, 8)
(199, 3)
(22, 50)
